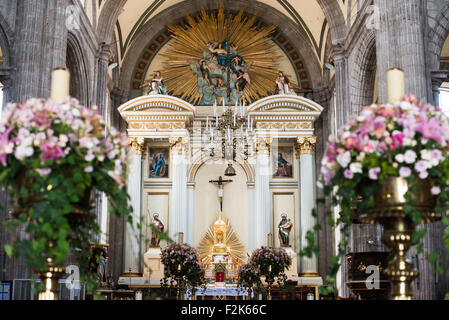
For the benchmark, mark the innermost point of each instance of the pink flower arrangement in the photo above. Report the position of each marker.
(49, 131)
(407, 138)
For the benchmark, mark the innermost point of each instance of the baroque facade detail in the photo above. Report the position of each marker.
(138, 144)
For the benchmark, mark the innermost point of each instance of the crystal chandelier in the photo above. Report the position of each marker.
(228, 132)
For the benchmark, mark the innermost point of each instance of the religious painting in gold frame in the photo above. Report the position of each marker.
(159, 158)
(282, 162)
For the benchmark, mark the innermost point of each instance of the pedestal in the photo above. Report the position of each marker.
(152, 260)
(292, 272)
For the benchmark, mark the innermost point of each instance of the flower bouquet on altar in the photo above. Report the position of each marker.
(389, 165)
(271, 263)
(52, 156)
(181, 263)
(249, 276)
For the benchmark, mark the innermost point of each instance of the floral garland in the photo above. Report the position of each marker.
(52, 156)
(408, 139)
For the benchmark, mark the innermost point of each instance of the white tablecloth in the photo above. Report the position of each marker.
(227, 291)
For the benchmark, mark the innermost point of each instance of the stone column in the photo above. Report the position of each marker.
(262, 203)
(40, 46)
(341, 84)
(102, 79)
(134, 188)
(178, 211)
(400, 43)
(307, 200)
(438, 77)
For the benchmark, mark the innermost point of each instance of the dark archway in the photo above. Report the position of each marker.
(76, 64)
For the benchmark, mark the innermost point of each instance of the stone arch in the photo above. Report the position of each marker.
(79, 86)
(6, 69)
(269, 14)
(193, 170)
(439, 31)
(363, 72)
(108, 17)
(335, 18)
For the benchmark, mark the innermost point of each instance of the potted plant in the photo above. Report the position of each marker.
(272, 264)
(391, 162)
(53, 156)
(181, 264)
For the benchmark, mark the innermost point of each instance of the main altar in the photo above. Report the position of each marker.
(210, 113)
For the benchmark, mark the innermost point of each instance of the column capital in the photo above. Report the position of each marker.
(438, 77)
(263, 145)
(305, 145)
(138, 144)
(179, 145)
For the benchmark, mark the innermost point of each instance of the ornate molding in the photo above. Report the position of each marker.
(263, 145)
(138, 144)
(305, 145)
(179, 145)
(285, 125)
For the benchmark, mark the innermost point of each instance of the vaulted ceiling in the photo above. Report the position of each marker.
(306, 14)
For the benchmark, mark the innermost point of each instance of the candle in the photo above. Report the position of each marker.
(224, 106)
(138, 295)
(248, 120)
(215, 107)
(181, 237)
(207, 123)
(60, 84)
(179, 267)
(216, 120)
(212, 135)
(235, 115)
(252, 123)
(395, 85)
(270, 239)
(269, 268)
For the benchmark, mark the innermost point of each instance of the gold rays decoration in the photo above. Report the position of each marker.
(237, 249)
(189, 44)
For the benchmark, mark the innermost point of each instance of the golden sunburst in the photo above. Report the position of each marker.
(194, 59)
(237, 249)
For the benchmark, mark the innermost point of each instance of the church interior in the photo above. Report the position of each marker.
(228, 107)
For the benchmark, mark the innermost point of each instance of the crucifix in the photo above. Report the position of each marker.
(220, 183)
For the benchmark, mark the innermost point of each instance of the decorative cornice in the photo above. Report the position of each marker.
(305, 145)
(138, 144)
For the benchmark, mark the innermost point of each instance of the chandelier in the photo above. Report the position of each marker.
(230, 124)
(228, 132)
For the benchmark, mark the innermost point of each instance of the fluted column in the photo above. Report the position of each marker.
(102, 79)
(262, 221)
(307, 190)
(179, 208)
(400, 43)
(341, 84)
(40, 46)
(134, 188)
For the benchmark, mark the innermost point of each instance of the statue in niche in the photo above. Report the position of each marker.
(283, 85)
(285, 226)
(159, 226)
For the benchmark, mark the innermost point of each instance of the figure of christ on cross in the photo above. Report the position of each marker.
(220, 183)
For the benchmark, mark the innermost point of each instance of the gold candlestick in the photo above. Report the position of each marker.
(395, 85)
(60, 84)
